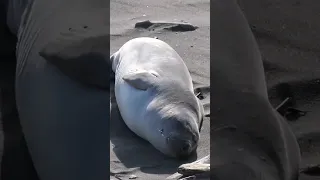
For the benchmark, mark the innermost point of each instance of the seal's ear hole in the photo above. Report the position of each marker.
(140, 80)
(154, 73)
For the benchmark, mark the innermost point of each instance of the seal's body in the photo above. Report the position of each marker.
(154, 92)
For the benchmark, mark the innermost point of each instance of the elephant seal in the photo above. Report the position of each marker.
(154, 93)
(62, 85)
(248, 136)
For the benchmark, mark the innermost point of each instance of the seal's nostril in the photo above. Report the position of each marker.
(185, 147)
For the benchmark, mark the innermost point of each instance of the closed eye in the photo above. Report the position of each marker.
(161, 131)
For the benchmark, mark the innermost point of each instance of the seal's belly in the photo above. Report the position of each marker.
(132, 104)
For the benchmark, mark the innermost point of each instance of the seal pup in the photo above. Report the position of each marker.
(154, 93)
(248, 136)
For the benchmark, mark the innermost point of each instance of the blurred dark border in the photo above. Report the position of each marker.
(16, 162)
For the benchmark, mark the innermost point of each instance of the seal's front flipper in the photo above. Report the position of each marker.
(140, 80)
(82, 58)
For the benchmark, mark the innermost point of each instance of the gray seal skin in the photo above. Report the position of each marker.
(62, 85)
(154, 93)
(248, 136)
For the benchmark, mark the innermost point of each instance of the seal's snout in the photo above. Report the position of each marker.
(185, 146)
(180, 147)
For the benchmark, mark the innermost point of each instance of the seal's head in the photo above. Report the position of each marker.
(169, 110)
(180, 133)
(173, 118)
